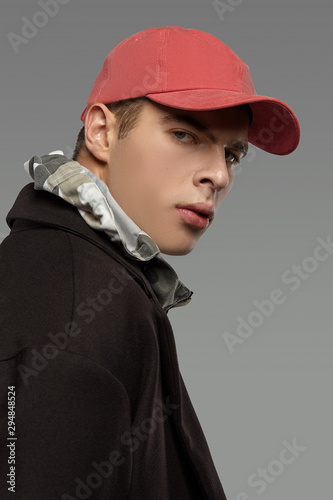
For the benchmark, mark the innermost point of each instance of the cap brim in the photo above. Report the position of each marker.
(275, 127)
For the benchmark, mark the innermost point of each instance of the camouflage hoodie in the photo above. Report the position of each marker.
(77, 185)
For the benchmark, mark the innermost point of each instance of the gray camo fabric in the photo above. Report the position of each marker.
(77, 185)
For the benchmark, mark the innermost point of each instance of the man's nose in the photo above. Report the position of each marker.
(215, 172)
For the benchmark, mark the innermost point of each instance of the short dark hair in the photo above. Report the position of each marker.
(126, 112)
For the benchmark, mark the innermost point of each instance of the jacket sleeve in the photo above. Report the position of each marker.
(71, 416)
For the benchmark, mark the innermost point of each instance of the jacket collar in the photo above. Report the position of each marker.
(75, 186)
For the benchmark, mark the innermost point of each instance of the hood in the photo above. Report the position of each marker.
(74, 183)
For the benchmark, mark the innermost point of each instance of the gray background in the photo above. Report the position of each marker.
(277, 385)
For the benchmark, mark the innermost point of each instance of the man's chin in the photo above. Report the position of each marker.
(178, 250)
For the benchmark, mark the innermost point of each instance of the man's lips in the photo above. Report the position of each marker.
(200, 208)
(198, 215)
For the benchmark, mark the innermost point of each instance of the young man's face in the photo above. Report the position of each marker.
(165, 164)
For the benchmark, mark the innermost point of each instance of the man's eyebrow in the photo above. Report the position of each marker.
(240, 146)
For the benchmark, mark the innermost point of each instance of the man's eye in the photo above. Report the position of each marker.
(231, 158)
(184, 136)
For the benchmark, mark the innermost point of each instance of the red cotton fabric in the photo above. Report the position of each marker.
(193, 70)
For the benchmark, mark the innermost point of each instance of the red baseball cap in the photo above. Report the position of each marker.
(193, 70)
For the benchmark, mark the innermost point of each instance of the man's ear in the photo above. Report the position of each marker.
(100, 131)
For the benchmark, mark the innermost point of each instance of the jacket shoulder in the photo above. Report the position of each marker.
(36, 282)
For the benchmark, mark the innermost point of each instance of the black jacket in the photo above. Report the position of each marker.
(101, 410)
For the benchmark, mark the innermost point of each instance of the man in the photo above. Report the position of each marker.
(88, 356)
